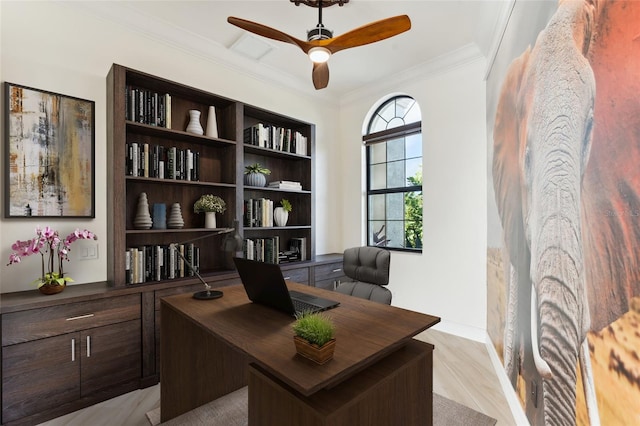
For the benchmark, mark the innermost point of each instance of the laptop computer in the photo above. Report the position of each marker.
(265, 285)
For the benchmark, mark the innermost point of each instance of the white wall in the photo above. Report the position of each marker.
(60, 48)
(449, 278)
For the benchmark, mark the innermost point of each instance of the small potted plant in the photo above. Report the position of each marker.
(254, 175)
(314, 336)
(209, 205)
(281, 213)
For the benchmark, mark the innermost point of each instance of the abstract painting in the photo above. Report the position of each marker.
(49, 154)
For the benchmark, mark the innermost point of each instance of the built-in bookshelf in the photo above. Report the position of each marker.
(150, 151)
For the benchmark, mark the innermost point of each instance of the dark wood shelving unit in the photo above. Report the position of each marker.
(222, 162)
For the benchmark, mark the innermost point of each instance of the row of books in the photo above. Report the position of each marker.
(286, 184)
(277, 138)
(160, 262)
(258, 212)
(262, 249)
(148, 107)
(269, 250)
(158, 161)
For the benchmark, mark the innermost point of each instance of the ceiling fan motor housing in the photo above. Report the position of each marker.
(319, 33)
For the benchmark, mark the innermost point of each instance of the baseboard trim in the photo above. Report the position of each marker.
(466, 331)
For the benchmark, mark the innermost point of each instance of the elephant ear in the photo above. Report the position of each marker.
(507, 179)
(611, 182)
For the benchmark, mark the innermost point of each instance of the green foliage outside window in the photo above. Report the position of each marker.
(413, 213)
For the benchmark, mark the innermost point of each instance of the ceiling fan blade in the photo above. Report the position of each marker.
(268, 32)
(369, 33)
(320, 75)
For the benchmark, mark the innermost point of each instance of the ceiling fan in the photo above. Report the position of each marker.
(321, 43)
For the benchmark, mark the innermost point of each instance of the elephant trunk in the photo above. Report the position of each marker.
(562, 316)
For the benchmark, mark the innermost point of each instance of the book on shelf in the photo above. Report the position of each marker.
(286, 184)
(160, 262)
(276, 138)
(147, 107)
(265, 249)
(156, 161)
(258, 213)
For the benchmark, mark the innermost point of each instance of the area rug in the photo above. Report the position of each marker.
(231, 410)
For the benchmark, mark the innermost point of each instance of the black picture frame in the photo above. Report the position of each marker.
(49, 154)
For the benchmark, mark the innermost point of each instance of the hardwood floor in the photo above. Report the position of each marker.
(462, 371)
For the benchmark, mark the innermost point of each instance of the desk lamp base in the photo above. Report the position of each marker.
(207, 295)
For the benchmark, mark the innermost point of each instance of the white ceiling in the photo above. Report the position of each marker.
(442, 30)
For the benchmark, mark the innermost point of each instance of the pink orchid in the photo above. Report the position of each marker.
(48, 241)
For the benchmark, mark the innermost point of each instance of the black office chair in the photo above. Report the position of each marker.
(368, 271)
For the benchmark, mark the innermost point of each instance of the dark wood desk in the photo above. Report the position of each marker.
(207, 347)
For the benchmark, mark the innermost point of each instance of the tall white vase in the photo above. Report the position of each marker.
(209, 220)
(212, 124)
(194, 125)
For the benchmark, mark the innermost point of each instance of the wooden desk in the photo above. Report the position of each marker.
(207, 347)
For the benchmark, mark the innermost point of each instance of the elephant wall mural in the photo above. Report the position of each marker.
(565, 166)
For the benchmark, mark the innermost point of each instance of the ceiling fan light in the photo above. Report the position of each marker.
(319, 55)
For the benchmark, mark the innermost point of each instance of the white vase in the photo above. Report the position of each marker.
(212, 124)
(209, 220)
(194, 125)
(280, 216)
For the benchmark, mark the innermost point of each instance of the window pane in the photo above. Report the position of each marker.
(403, 105)
(377, 233)
(395, 206)
(395, 175)
(395, 149)
(395, 233)
(377, 153)
(413, 219)
(388, 111)
(413, 115)
(377, 207)
(378, 176)
(413, 144)
(377, 125)
(414, 170)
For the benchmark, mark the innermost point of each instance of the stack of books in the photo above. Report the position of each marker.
(286, 184)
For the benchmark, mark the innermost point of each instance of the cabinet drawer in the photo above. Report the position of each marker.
(39, 323)
(298, 275)
(329, 270)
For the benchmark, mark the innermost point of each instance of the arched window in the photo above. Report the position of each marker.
(394, 175)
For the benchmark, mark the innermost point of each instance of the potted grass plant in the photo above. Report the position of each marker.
(314, 336)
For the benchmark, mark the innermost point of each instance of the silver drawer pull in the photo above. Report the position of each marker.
(80, 317)
(337, 270)
(73, 350)
(287, 278)
(88, 346)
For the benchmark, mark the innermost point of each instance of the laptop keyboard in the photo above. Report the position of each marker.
(301, 306)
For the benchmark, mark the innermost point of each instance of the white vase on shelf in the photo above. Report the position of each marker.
(209, 220)
(280, 216)
(194, 125)
(212, 124)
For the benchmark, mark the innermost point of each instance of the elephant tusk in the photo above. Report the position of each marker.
(541, 365)
(588, 384)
